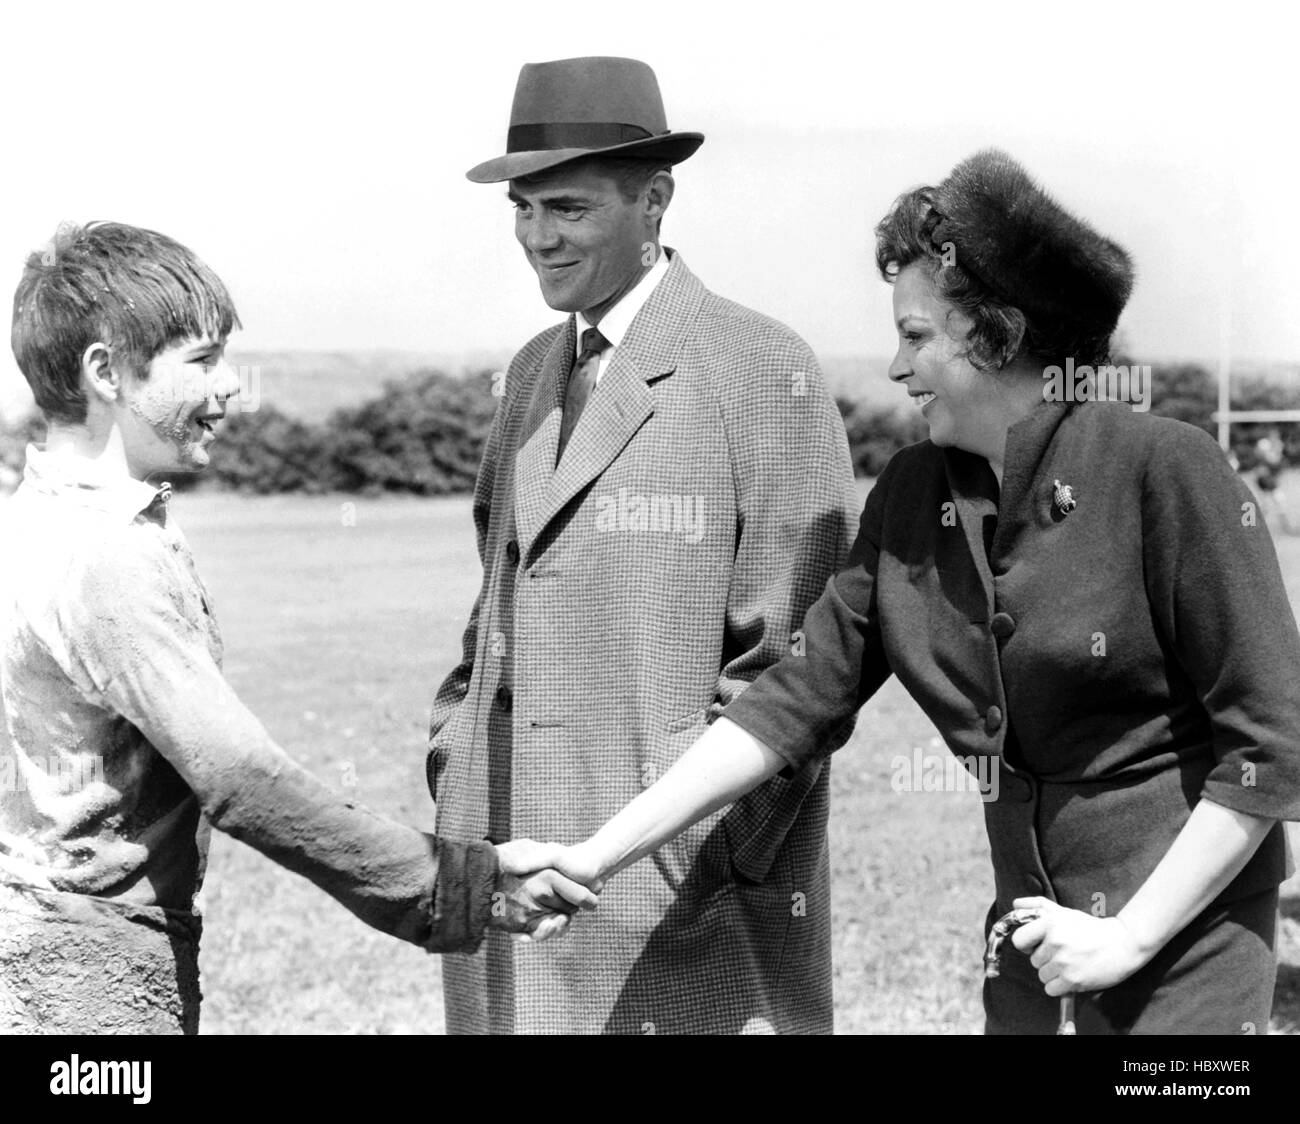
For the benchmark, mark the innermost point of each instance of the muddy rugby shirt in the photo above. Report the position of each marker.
(124, 732)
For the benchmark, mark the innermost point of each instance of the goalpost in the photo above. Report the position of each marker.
(1225, 415)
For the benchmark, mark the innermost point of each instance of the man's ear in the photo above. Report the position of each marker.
(658, 194)
(99, 381)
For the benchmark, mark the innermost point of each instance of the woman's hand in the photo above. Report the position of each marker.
(578, 863)
(582, 862)
(1075, 951)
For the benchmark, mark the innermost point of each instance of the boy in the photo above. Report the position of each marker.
(127, 741)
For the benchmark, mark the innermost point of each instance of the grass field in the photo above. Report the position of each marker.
(339, 621)
(341, 616)
(336, 635)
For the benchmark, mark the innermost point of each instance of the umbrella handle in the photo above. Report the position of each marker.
(1002, 929)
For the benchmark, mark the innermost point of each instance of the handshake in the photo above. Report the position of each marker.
(542, 885)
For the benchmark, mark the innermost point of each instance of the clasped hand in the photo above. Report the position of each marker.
(1075, 951)
(542, 886)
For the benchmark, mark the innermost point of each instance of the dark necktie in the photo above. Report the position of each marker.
(582, 381)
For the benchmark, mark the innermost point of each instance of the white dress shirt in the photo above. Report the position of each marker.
(615, 323)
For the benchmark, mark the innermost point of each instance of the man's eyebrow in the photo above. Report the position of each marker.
(560, 199)
(912, 316)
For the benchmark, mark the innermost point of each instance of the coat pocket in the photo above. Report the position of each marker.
(697, 859)
(759, 823)
(440, 750)
(433, 767)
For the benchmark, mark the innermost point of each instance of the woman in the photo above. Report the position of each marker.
(1081, 591)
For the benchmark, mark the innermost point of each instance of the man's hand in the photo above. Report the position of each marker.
(534, 901)
(1075, 951)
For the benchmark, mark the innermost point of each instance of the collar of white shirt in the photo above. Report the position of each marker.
(68, 476)
(615, 323)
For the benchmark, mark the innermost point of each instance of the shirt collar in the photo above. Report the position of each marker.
(615, 323)
(86, 483)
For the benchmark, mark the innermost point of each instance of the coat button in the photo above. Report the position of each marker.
(1002, 625)
(504, 699)
(512, 552)
(993, 720)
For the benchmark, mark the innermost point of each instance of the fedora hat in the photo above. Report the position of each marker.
(573, 108)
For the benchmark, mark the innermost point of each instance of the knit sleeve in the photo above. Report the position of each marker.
(1217, 591)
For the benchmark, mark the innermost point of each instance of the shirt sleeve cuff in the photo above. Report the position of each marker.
(462, 901)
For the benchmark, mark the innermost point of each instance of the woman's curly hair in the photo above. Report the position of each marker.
(1000, 332)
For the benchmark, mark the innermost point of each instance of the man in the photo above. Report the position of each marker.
(127, 741)
(657, 505)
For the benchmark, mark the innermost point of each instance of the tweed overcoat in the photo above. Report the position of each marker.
(1118, 662)
(702, 502)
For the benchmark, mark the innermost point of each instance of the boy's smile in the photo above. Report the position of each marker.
(169, 413)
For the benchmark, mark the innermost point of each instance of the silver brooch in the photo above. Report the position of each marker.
(1063, 498)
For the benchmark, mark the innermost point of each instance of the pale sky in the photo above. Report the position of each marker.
(314, 155)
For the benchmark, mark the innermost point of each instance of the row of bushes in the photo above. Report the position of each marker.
(425, 434)
(422, 435)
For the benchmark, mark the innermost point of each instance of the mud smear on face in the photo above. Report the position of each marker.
(173, 421)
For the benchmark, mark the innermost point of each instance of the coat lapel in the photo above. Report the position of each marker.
(618, 407)
(535, 461)
(1022, 498)
(1027, 480)
(974, 491)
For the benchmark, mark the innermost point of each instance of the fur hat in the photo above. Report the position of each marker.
(1031, 252)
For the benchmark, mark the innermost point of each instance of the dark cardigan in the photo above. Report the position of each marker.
(1121, 661)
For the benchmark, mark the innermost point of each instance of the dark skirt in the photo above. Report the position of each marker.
(1215, 977)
